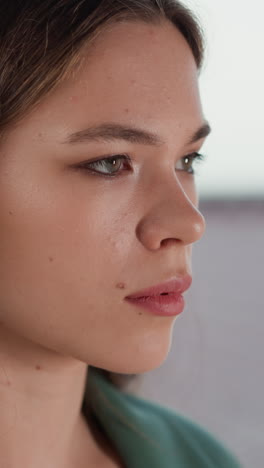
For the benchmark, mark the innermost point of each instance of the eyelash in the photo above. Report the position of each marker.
(86, 166)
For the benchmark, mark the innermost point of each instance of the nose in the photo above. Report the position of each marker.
(173, 216)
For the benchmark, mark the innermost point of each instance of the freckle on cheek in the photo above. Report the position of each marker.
(10, 212)
(38, 367)
(121, 285)
(51, 259)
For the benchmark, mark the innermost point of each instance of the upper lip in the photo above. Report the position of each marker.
(173, 285)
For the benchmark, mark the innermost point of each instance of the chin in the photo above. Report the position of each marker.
(139, 364)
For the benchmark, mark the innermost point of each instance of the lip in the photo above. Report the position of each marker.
(170, 304)
(173, 285)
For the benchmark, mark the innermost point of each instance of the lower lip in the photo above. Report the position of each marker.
(168, 305)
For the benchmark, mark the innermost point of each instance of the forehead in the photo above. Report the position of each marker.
(132, 72)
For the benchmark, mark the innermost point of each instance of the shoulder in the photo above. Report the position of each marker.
(147, 433)
(186, 441)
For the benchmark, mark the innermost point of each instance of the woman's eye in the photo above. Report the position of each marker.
(186, 163)
(108, 166)
(114, 165)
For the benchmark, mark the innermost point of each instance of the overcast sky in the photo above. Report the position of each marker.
(232, 90)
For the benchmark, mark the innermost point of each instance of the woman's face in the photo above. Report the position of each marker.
(74, 243)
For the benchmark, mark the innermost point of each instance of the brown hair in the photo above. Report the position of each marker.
(40, 42)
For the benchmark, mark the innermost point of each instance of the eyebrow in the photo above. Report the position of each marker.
(113, 131)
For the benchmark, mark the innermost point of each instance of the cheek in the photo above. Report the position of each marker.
(57, 251)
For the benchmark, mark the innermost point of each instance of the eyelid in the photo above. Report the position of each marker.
(130, 158)
(108, 156)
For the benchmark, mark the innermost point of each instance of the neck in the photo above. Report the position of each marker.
(41, 395)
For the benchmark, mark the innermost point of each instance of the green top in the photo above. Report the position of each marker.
(149, 435)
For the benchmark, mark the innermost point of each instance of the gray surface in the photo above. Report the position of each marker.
(214, 372)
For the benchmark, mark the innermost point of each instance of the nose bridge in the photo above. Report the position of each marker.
(174, 213)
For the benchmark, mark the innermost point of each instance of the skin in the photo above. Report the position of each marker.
(73, 245)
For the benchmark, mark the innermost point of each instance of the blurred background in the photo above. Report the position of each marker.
(214, 372)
